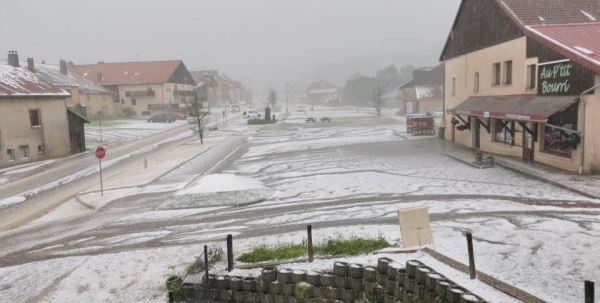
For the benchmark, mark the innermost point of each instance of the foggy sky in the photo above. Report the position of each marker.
(277, 41)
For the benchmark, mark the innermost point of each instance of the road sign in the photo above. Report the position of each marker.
(100, 152)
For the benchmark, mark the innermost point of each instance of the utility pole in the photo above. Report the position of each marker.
(286, 100)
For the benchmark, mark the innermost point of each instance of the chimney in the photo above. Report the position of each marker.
(100, 78)
(30, 65)
(63, 67)
(13, 59)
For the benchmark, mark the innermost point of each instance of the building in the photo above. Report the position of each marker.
(423, 94)
(35, 123)
(515, 75)
(394, 98)
(147, 88)
(226, 90)
(86, 97)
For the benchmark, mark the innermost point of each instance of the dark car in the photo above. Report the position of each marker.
(168, 118)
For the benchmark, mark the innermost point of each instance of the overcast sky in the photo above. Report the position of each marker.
(274, 40)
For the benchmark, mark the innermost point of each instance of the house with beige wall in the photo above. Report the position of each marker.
(147, 88)
(423, 94)
(35, 123)
(513, 78)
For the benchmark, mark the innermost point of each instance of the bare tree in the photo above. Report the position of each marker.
(378, 100)
(272, 98)
(198, 113)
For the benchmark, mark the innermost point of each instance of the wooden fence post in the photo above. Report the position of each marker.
(310, 245)
(589, 291)
(472, 271)
(207, 285)
(229, 253)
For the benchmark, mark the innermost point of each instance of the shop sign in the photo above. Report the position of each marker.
(486, 114)
(555, 78)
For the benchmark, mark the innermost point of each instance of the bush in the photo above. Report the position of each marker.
(260, 121)
(128, 112)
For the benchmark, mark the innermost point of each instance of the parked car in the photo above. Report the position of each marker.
(168, 118)
(250, 105)
(300, 108)
(252, 115)
(180, 116)
(235, 108)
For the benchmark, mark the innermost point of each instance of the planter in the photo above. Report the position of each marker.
(284, 276)
(442, 287)
(342, 282)
(289, 299)
(392, 269)
(420, 291)
(429, 296)
(267, 298)
(370, 288)
(269, 273)
(312, 300)
(327, 280)
(254, 297)
(222, 282)
(226, 295)
(186, 291)
(355, 271)
(409, 284)
(370, 274)
(431, 280)
(398, 291)
(303, 290)
(249, 284)
(390, 285)
(407, 297)
(280, 299)
(262, 286)
(240, 296)
(236, 284)
(454, 293)
(276, 288)
(288, 289)
(298, 276)
(319, 292)
(471, 298)
(356, 284)
(400, 274)
(199, 292)
(388, 298)
(411, 267)
(381, 279)
(348, 295)
(212, 283)
(173, 282)
(313, 278)
(333, 293)
(421, 274)
(382, 265)
(478, 157)
(379, 294)
(340, 269)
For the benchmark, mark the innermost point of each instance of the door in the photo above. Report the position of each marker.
(477, 133)
(528, 142)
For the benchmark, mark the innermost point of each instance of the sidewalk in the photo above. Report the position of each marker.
(586, 185)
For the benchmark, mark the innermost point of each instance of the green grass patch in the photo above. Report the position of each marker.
(334, 247)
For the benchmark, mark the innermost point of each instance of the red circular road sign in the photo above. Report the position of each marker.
(100, 152)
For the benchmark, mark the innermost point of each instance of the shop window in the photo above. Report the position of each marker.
(496, 75)
(10, 155)
(504, 131)
(133, 102)
(508, 72)
(531, 76)
(24, 152)
(557, 141)
(476, 84)
(453, 86)
(34, 117)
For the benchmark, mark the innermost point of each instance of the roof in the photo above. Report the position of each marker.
(127, 73)
(578, 42)
(525, 13)
(322, 90)
(80, 116)
(393, 95)
(19, 82)
(52, 74)
(517, 107)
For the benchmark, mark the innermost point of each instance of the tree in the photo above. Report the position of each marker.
(272, 98)
(378, 100)
(406, 73)
(198, 112)
(388, 78)
(359, 89)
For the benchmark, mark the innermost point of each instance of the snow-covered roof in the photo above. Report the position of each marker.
(52, 74)
(322, 90)
(19, 82)
(128, 73)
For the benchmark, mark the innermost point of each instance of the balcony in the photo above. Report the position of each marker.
(183, 93)
(140, 93)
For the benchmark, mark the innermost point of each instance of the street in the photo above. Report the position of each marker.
(263, 185)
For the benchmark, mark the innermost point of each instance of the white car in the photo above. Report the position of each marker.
(252, 115)
(300, 108)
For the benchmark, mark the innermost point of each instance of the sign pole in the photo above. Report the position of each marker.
(101, 187)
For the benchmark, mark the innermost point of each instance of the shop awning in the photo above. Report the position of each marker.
(522, 107)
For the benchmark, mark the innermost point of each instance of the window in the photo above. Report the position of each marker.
(34, 117)
(531, 76)
(453, 86)
(40, 149)
(23, 151)
(496, 75)
(508, 72)
(10, 155)
(122, 101)
(504, 131)
(133, 102)
(476, 84)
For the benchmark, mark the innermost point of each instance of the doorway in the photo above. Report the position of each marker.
(528, 142)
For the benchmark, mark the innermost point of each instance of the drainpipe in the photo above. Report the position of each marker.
(581, 151)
